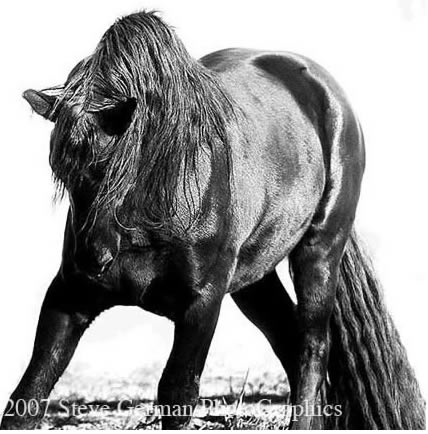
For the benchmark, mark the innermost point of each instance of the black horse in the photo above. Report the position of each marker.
(191, 179)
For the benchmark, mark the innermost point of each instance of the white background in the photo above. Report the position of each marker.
(377, 49)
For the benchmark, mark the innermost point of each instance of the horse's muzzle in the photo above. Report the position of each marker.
(105, 261)
(94, 264)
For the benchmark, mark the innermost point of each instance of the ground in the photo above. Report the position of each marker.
(241, 401)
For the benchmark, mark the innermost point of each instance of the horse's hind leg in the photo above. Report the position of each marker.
(315, 269)
(314, 263)
(65, 314)
(268, 306)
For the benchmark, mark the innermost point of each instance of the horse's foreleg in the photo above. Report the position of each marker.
(315, 269)
(178, 390)
(268, 306)
(63, 319)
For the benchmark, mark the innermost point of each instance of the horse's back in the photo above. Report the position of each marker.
(296, 118)
(308, 85)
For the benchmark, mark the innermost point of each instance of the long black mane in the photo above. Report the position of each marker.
(181, 109)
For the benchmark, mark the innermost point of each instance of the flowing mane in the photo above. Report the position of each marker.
(180, 107)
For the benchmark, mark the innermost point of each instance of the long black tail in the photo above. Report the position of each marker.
(369, 373)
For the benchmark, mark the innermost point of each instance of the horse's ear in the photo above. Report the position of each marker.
(42, 103)
(115, 119)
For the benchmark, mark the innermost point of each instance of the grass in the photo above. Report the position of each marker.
(239, 401)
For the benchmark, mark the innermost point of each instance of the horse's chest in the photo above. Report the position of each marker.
(158, 280)
(166, 298)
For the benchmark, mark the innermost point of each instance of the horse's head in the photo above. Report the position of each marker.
(84, 161)
(138, 116)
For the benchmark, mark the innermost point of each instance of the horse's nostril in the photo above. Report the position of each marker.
(105, 257)
(94, 262)
(105, 260)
